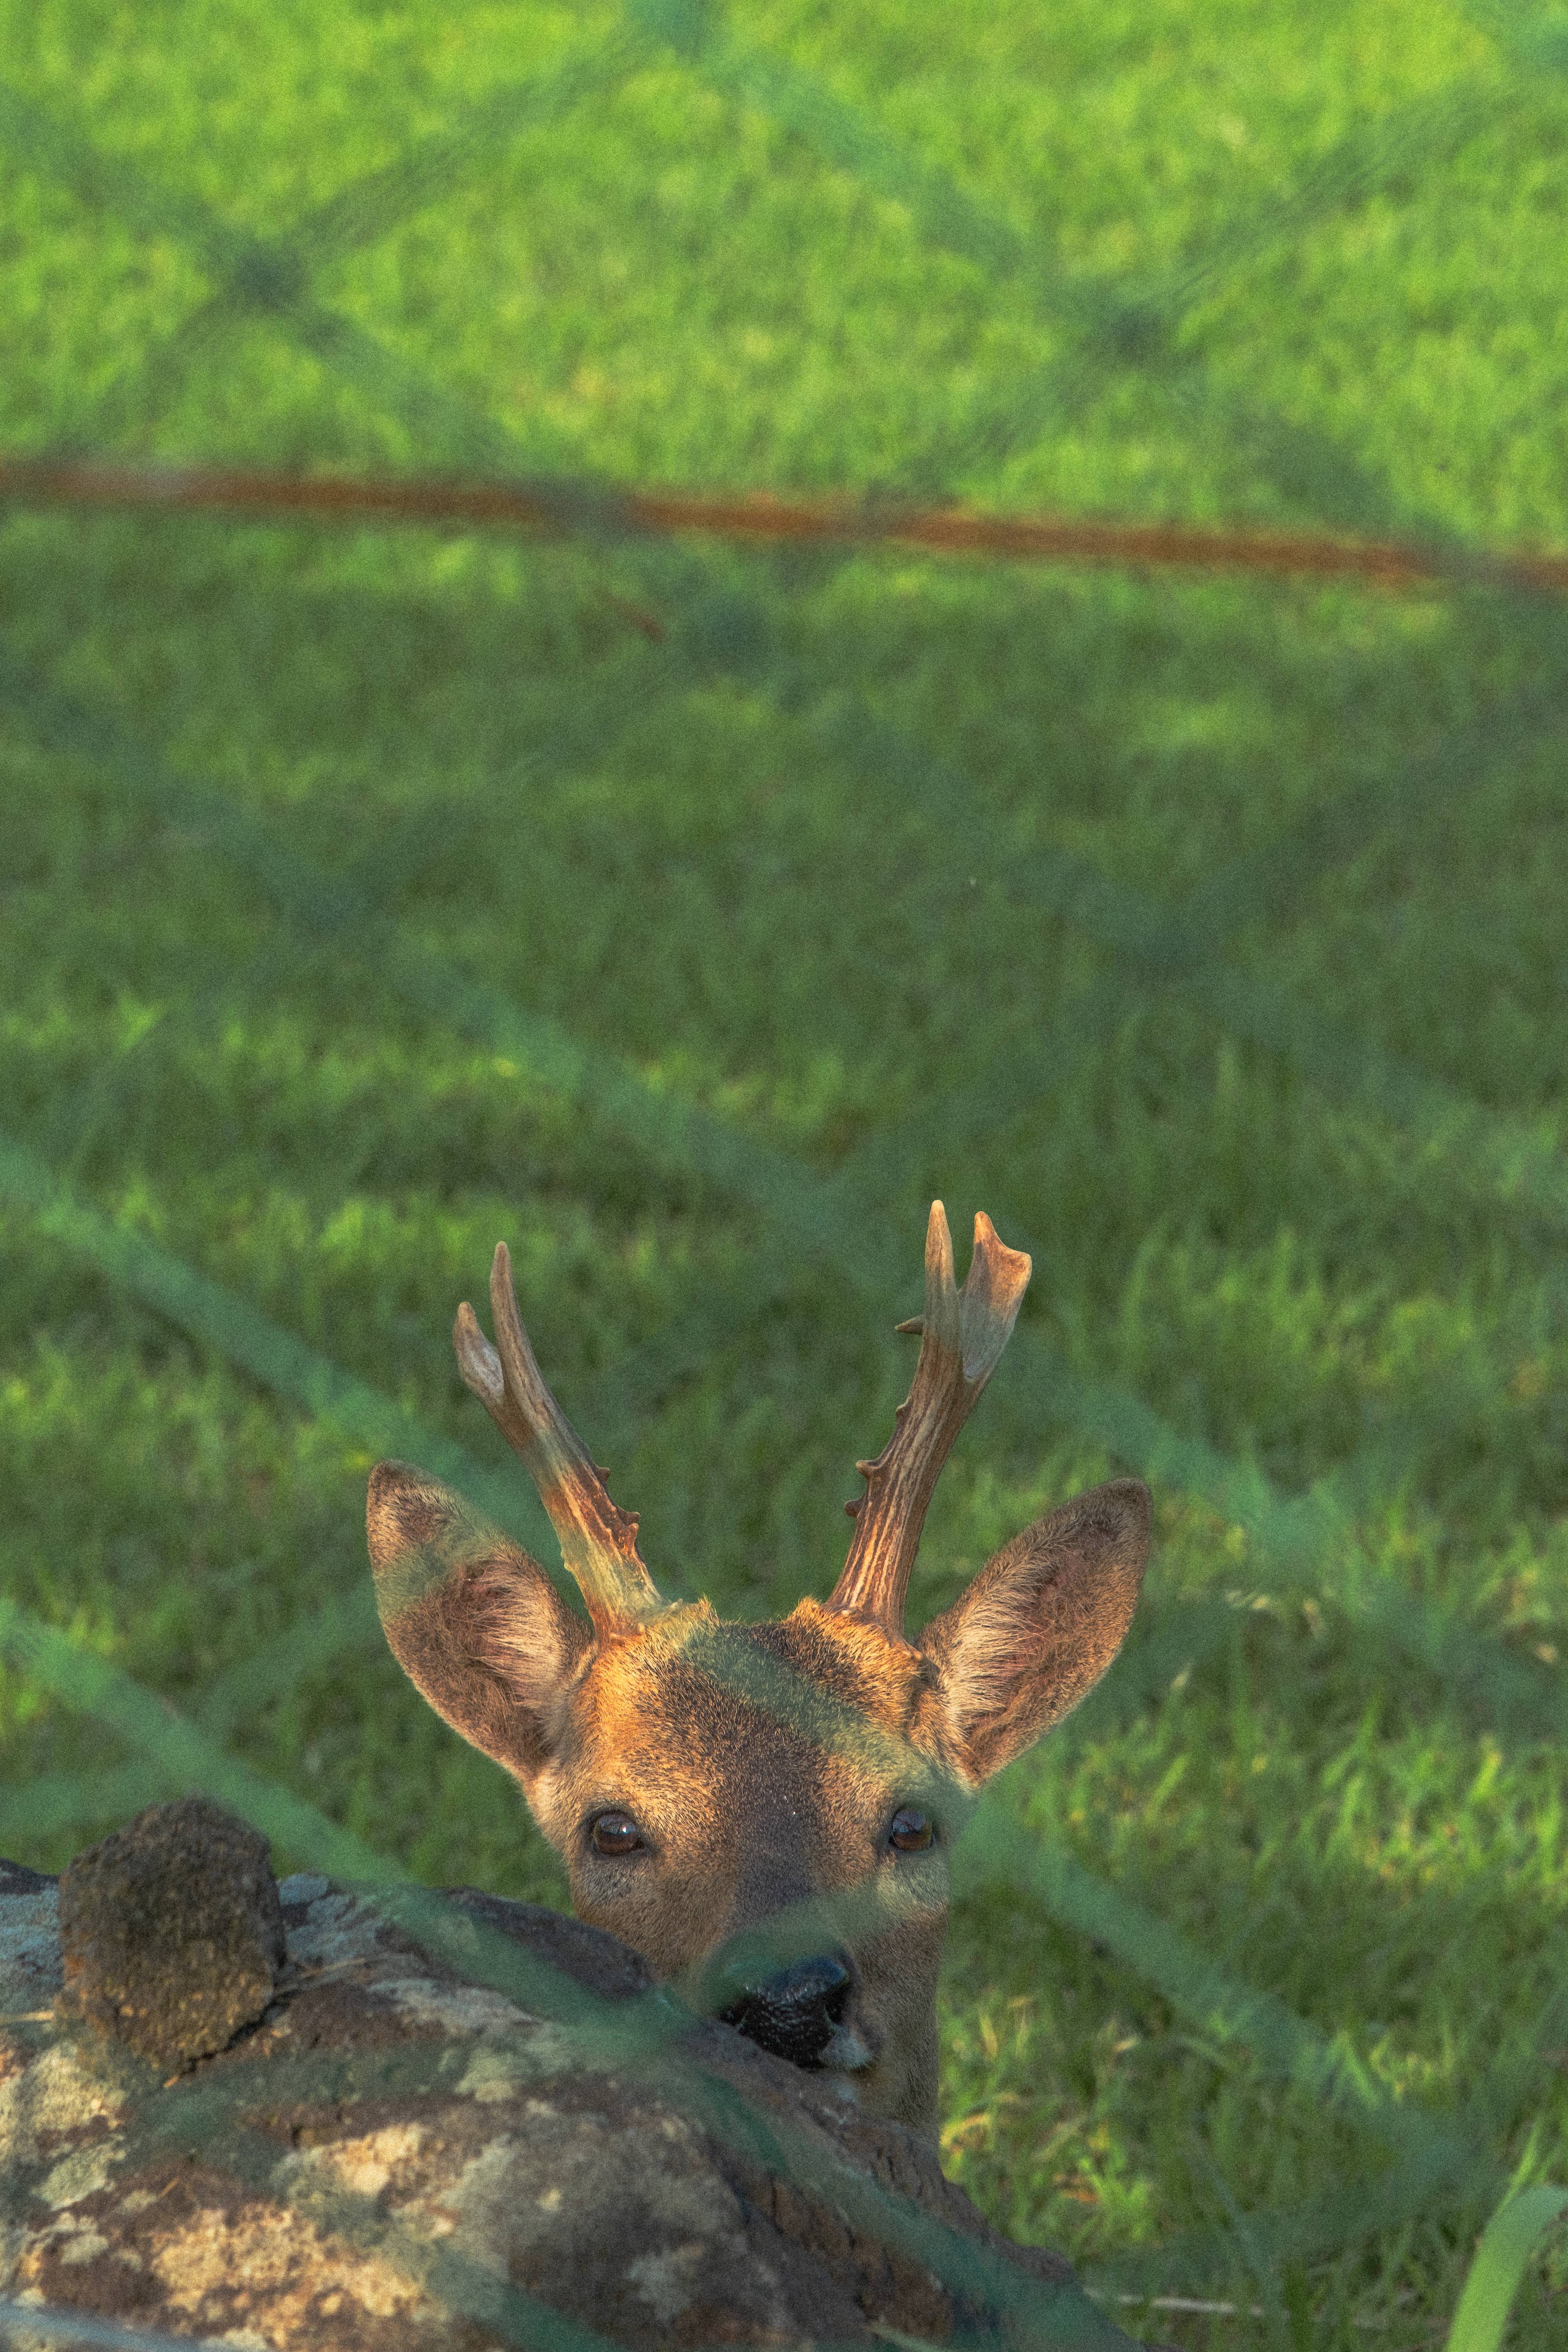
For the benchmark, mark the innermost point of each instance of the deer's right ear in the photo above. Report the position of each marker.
(476, 1625)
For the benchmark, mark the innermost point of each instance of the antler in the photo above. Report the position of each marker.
(963, 1333)
(598, 1539)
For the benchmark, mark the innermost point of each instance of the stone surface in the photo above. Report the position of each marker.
(171, 1933)
(400, 2154)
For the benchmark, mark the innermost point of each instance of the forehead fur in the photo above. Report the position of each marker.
(826, 1685)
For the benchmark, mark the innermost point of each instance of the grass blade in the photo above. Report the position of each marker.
(1509, 2239)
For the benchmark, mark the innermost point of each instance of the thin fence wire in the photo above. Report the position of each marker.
(1429, 2154)
(1304, 1542)
(219, 1320)
(643, 2035)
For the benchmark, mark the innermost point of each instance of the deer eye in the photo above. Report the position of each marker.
(616, 1833)
(911, 1833)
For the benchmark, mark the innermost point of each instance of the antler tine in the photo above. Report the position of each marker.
(962, 1334)
(598, 1539)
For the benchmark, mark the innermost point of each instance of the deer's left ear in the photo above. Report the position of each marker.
(1041, 1622)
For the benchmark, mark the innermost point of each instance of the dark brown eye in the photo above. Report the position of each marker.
(911, 1833)
(616, 1833)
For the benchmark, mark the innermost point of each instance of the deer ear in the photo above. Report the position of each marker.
(476, 1625)
(1041, 1622)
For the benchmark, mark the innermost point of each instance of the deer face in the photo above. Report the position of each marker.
(762, 1811)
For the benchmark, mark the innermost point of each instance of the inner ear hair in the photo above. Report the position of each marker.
(1041, 1622)
(475, 1623)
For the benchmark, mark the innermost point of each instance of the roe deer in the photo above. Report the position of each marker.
(762, 1811)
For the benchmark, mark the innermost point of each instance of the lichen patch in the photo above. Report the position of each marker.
(80, 2174)
(273, 2263)
(52, 2098)
(454, 2009)
(667, 2280)
(366, 2166)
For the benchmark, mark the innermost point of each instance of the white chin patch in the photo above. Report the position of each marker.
(848, 2052)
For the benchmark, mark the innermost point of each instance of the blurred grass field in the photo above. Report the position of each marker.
(867, 854)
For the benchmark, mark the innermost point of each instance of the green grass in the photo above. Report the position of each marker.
(855, 866)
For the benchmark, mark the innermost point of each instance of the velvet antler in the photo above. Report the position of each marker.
(598, 1539)
(963, 1333)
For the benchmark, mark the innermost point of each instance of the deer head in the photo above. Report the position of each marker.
(762, 1810)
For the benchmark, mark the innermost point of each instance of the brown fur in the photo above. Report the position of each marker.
(763, 1763)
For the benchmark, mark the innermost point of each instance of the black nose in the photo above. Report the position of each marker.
(794, 2013)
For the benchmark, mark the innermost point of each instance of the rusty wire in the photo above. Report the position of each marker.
(554, 506)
